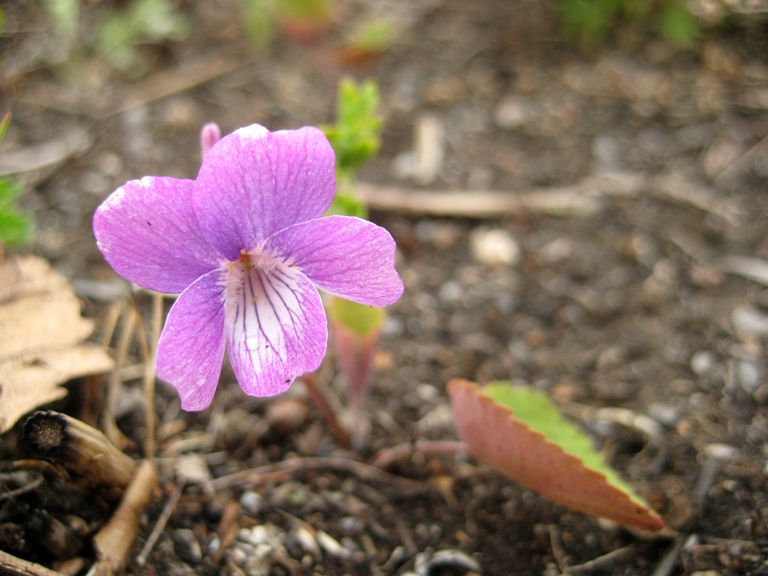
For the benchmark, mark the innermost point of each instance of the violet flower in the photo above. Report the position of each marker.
(244, 244)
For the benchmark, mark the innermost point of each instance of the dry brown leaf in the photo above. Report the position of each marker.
(42, 335)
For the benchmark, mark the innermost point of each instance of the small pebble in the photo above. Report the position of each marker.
(450, 292)
(703, 362)
(664, 413)
(748, 374)
(722, 452)
(750, 320)
(186, 539)
(251, 502)
(513, 112)
(331, 545)
(287, 415)
(193, 469)
(495, 247)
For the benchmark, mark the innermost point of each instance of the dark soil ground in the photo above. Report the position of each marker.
(630, 294)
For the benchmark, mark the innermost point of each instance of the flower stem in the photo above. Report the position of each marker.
(318, 397)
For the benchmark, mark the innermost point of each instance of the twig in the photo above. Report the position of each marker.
(21, 490)
(114, 541)
(227, 529)
(257, 475)
(606, 562)
(388, 457)
(557, 548)
(742, 162)
(170, 82)
(79, 447)
(575, 200)
(318, 397)
(667, 564)
(584, 198)
(45, 154)
(162, 521)
(126, 334)
(149, 354)
(18, 567)
(675, 185)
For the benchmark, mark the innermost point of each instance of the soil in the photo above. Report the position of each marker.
(652, 299)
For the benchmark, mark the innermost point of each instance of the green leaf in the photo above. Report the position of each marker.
(678, 25)
(305, 10)
(361, 319)
(356, 135)
(4, 123)
(259, 20)
(374, 35)
(121, 32)
(347, 204)
(537, 412)
(522, 435)
(15, 226)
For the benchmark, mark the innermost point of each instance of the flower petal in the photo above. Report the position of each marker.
(148, 232)
(191, 347)
(275, 328)
(345, 256)
(254, 183)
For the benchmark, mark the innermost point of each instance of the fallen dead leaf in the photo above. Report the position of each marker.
(42, 335)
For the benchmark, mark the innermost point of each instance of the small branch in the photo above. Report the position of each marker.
(21, 490)
(162, 521)
(126, 334)
(557, 548)
(79, 448)
(227, 529)
(606, 562)
(149, 355)
(668, 562)
(392, 456)
(257, 476)
(18, 567)
(114, 541)
(584, 198)
(566, 201)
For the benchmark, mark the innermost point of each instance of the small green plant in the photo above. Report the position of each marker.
(356, 328)
(142, 20)
(64, 16)
(588, 23)
(15, 226)
(355, 138)
(300, 19)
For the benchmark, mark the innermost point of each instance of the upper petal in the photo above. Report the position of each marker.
(191, 347)
(345, 256)
(148, 232)
(275, 328)
(255, 182)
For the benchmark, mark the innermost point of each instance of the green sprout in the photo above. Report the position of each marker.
(121, 32)
(356, 137)
(15, 226)
(588, 23)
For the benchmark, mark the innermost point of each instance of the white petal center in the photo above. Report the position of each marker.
(262, 304)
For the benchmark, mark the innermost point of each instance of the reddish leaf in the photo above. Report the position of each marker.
(493, 435)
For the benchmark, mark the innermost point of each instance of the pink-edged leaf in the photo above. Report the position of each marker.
(495, 436)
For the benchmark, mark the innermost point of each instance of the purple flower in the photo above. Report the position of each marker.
(246, 246)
